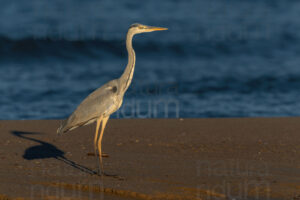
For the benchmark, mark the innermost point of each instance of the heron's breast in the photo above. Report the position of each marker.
(117, 102)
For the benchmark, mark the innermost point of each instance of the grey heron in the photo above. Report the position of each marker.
(100, 104)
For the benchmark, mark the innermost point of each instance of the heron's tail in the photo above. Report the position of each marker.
(61, 128)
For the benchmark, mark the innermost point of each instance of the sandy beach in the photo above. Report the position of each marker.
(245, 158)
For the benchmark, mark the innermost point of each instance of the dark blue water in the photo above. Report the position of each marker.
(219, 58)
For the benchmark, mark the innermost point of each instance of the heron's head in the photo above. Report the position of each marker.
(140, 28)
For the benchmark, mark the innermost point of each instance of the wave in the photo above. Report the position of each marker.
(242, 85)
(31, 47)
(37, 48)
(42, 48)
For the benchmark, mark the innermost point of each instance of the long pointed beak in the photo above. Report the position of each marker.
(153, 28)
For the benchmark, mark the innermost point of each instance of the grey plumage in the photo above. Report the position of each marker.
(107, 99)
(103, 101)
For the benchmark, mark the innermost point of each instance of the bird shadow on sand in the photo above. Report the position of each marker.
(44, 150)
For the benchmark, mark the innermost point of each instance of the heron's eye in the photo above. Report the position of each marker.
(114, 89)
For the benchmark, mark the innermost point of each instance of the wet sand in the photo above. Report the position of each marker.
(248, 158)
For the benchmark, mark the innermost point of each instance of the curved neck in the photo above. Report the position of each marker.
(126, 77)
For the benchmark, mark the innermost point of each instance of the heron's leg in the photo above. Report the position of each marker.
(104, 121)
(96, 139)
(96, 134)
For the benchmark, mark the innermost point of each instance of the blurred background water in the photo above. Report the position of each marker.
(219, 58)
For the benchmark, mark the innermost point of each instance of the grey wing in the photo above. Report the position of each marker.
(100, 102)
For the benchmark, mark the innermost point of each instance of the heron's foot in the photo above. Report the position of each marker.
(104, 155)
